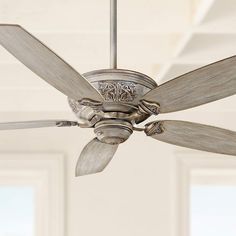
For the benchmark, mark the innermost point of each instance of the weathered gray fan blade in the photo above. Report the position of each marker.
(45, 63)
(37, 124)
(204, 85)
(94, 157)
(193, 135)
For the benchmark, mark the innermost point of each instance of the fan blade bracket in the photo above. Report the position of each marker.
(154, 128)
(91, 103)
(138, 128)
(145, 109)
(64, 123)
(149, 108)
(37, 124)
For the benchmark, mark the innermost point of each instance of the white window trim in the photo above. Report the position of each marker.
(45, 173)
(208, 169)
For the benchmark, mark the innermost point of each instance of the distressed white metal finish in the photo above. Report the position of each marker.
(113, 131)
(113, 34)
(193, 135)
(121, 91)
(94, 157)
(119, 86)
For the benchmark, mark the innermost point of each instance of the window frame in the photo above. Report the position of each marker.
(44, 172)
(201, 168)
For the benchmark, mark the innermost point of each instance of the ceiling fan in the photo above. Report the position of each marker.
(113, 101)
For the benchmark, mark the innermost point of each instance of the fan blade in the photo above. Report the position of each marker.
(204, 85)
(45, 63)
(94, 157)
(193, 135)
(37, 124)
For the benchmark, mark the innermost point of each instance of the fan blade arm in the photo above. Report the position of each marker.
(194, 136)
(94, 157)
(46, 64)
(206, 84)
(37, 124)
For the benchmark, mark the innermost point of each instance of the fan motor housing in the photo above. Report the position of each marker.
(121, 89)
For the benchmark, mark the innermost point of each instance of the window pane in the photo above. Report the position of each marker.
(16, 211)
(213, 210)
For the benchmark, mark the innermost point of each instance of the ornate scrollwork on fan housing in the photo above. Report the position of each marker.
(117, 91)
(120, 87)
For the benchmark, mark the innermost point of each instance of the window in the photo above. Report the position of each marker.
(17, 211)
(31, 194)
(206, 195)
(213, 210)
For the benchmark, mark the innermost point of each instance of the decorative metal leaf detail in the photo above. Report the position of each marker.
(154, 128)
(119, 91)
(76, 107)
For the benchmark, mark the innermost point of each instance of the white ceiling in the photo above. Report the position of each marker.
(159, 38)
(149, 32)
